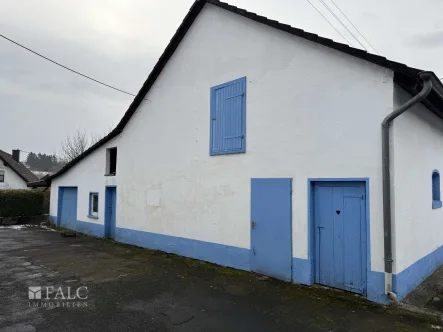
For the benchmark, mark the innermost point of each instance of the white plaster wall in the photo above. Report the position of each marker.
(311, 112)
(12, 180)
(417, 138)
(88, 176)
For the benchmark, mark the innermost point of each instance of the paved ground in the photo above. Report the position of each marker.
(429, 295)
(132, 289)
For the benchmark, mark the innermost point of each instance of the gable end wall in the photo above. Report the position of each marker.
(311, 112)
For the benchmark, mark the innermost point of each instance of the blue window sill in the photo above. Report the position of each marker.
(436, 204)
(92, 217)
(218, 153)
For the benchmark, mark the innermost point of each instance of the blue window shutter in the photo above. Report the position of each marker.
(228, 118)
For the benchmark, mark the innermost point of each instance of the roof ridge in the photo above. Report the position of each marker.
(194, 11)
(18, 167)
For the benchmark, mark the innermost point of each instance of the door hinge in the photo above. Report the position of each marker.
(236, 136)
(252, 224)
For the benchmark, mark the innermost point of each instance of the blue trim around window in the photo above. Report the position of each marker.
(212, 152)
(436, 201)
(90, 215)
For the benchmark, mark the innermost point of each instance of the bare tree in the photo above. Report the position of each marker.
(77, 143)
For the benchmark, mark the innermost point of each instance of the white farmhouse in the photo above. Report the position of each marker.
(13, 174)
(259, 146)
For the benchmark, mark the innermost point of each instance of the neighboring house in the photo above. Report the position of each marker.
(258, 146)
(13, 174)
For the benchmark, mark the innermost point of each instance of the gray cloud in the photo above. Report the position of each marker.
(42, 102)
(429, 40)
(119, 42)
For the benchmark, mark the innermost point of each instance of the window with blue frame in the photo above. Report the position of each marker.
(93, 205)
(228, 118)
(436, 201)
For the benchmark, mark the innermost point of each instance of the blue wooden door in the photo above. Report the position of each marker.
(67, 207)
(110, 210)
(340, 235)
(271, 245)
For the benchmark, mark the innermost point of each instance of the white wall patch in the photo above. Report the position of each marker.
(153, 197)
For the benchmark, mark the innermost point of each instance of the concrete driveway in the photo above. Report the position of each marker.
(114, 287)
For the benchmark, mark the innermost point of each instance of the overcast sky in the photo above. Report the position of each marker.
(119, 41)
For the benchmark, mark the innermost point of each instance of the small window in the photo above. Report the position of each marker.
(2, 176)
(93, 205)
(111, 161)
(228, 118)
(436, 201)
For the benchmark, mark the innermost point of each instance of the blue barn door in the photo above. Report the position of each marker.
(67, 207)
(340, 235)
(110, 210)
(271, 234)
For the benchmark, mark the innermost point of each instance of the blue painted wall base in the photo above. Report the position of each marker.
(376, 287)
(239, 258)
(83, 227)
(220, 254)
(302, 271)
(90, 228)
(206, 251)
(407, 280)
(53, 220)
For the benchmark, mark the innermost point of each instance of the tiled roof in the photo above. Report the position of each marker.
(20, 169)
(404, 76)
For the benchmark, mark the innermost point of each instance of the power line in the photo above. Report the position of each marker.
(355, 27)
(67, 68)
(338, 19)
(329, 23)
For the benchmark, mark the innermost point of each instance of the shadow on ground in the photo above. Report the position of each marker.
(134, 289)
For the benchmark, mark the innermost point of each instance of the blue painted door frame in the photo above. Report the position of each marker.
(271, 229)
(345, 201)
(110, 211)
(67, 207)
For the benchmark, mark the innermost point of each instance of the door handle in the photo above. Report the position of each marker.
(253, 250)
(252, 224)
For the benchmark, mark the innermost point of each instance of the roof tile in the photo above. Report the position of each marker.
(20, 169)
(399, 69)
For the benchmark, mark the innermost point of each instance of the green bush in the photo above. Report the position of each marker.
(14, 203)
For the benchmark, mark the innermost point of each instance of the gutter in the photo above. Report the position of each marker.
(426, 77)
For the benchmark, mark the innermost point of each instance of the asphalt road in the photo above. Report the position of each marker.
(113, 287)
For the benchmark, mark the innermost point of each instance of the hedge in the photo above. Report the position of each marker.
(20, 202)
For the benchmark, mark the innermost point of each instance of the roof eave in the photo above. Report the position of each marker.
(194, 11)
(13, 169)
(41, 183)
(164, 58)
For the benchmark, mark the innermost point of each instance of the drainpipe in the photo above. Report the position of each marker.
(387, 223)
